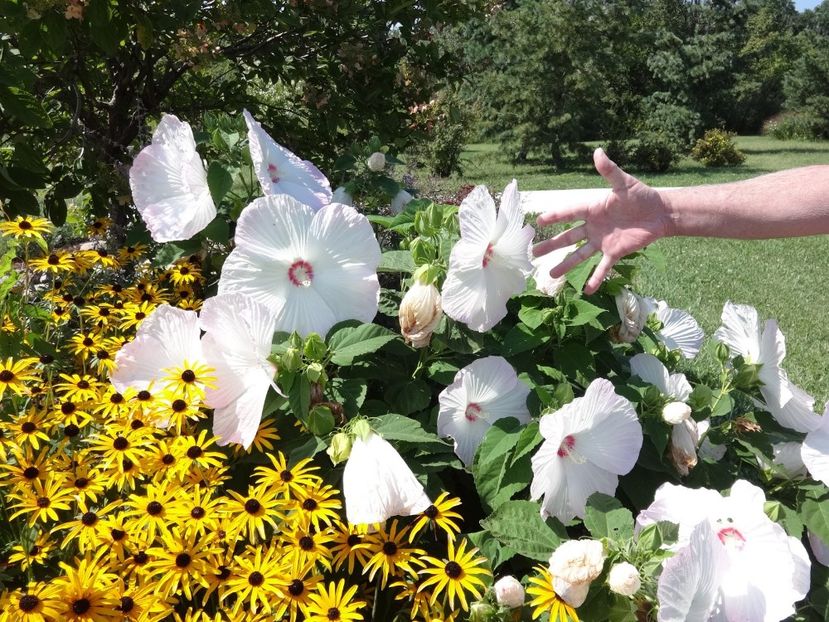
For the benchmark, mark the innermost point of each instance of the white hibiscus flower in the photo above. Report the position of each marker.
(281, 172)
(237, 343)
(483, 392)
(378, 484)
(169, 183)
(651, 370)
(815, 449)
(680, 331)
(491, 261)
(542, 266)
(587, 444)
(788, 404)
(166, 345)
(743, 566)
(313, 269)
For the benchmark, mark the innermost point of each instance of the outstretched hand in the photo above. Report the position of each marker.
(632, 216)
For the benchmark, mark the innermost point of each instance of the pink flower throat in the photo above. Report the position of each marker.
(567, 446)
(731, 537)
(301, 273)
(473, 411)
(274, 173)
(487, 255)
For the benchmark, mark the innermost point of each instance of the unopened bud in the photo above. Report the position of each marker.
(624, 579)
(315, 348)
(509, 592)
(340, 448)
(361, 429)
(633, 314)
(376, 161)
(420, 313)
(676, 412)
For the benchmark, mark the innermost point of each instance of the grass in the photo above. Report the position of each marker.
(784, 279)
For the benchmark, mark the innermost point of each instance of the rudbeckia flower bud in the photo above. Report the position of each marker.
(633, 313)
(676, 412)
(624, 579)
(376, 161)
(509, 592)
(420, 312)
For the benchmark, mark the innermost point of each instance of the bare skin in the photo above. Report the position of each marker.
(784, 204)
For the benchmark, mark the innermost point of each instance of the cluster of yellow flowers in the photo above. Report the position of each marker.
(120, 506)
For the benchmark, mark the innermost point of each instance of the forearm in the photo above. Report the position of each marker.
(784, 204)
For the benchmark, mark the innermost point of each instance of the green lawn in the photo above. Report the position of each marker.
(784, 279)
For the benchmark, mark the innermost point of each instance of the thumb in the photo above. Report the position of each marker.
(608, 169)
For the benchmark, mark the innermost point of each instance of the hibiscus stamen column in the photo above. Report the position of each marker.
(301, 273)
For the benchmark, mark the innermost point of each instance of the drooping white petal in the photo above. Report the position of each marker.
(378, 484)
(281, 172)
(541, 270)
(169, 184)
(798, 412)
(165, 339)
(740, 331)
(313, 269)
(483, 392)
(237, 343)
(680, 331)
(815, 450)
(651, 370)
(689, 584)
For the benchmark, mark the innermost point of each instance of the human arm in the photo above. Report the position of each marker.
(632, 215)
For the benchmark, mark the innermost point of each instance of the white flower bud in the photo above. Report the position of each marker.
(420, 312)
(341, 195)
(577, 561)
(574, 594)
(633, 312)
(683, 452)
(400, 200)
(624, 579)
(676, 412)
(376, 161)
(509, 592)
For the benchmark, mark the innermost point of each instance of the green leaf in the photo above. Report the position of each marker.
(409, 397)
(533, 317)
(218, 230)
(395, 427)
(490, 465)
(102, 29)
(786, 516)
(24, 106)
(654, 536)
(521, 338)
(351, 393)
(578, 276)
(490, 548)
(396, 261)
(519, 526)
(219, 180)
(320, 420)
(605, 517)
(443, 372)
(299, 398)
(582, 312)
(815, 512)
(349, 342)
(528, 440)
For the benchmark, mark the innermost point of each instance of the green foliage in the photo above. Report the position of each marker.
(717, 148)
(654, 152)
(797, 126)
(443, 124)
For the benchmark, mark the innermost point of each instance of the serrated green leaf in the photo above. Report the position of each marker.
(815, 512)
(299, 397)
(521, 338)
(578, 276)
(395, 427)
(350, 392)
(490, 465)
(396, 261)
(785, 516)
(528, 440)
(605, 517)
(349, 342)
(519, 526)
(533, 317)
(24, 106)
(582, 312)
(409, 397)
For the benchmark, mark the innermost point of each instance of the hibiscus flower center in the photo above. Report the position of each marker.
(473, 412)
(487, 255)
(567, 446)
(301, 273)
(274, 173)
(731, 538)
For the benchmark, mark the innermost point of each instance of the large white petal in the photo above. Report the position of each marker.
(680, 331)
(378, 484)
(345, 236)
(689, 584)
(466, 298)
(169, 184)
(740, 331)
(798, 412)
(542, 266)
(281, 171)
(476, 216)
(239, 323)
(683, 506)
(238, 421)
(166, 338)
(815, 450)
(776, 389)
(651, 370)
(549, 481)
(584, 479)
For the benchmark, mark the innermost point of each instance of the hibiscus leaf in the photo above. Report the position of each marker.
(578, 276)
(605, 517)
(786, 517)
(533, 316)
(351, 393)
(489, 468)
(490, 548)
(528, 440)
(219, 180)
(582, 312)
(394, 427)
(519, 526)
(396, 261)
(521, 338)
(348, 342)
(409, 396)
(815, 511)
(299, 398)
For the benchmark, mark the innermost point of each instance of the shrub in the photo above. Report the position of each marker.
(717, 148)
(654, 151)
(445, 125)
(800, 125)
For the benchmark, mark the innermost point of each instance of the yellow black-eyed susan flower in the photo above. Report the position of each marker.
(545, 599)
(334, 602)
(460, 572)
(26, 228)
(390, 553)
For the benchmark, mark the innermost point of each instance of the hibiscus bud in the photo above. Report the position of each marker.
(291, 360)
(722, 352)
(578, 561)
(633, 313)
(683, 451)
(314, 372)
(676, 412)
(376, 161)
(574, 594)
(400, 200)
(315, 348)
(361, 429)
(482, 612)
(420, 312)
(624, 579)
(340, 448)
(509, 592)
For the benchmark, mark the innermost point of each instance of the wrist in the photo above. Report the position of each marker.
(669, 214)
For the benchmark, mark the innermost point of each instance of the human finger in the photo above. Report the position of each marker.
(564, 213)
(572, 260)
(599, 274)
(565, 238)
(608, 169)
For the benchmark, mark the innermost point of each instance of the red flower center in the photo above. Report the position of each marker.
(566, 446)
(274, 173)
(487, 255)
(731, 537)
(301, 273)
(473, 411)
